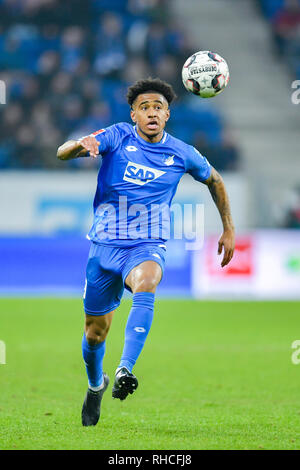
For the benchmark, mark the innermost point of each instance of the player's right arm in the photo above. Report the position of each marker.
(78, 148)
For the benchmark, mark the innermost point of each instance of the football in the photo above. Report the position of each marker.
(205, 74)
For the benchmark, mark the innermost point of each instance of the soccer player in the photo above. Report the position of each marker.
(141, 168)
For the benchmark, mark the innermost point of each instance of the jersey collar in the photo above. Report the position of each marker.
(162, 141)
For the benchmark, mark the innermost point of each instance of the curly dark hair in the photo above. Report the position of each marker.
(150, 85)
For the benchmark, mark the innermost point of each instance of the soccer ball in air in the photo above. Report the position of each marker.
(205, 74)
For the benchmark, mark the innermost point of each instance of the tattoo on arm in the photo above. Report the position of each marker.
(219, 194)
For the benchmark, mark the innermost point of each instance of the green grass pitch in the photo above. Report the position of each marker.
(212, 375)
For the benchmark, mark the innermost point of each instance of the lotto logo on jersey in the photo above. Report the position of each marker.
(140, 174)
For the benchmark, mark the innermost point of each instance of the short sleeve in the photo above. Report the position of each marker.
(197, 165)
(108, 138)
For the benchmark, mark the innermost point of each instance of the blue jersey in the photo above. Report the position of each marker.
(137, 181)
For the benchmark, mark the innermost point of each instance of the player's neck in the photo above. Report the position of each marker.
(152, 139)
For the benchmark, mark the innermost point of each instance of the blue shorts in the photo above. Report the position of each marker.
(107, 269)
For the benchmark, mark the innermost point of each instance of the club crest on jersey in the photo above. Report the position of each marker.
(169, 160)
(140, 174)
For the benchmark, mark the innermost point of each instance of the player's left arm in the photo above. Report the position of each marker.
(219, 194)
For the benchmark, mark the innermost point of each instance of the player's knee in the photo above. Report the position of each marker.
(145, 284)
(96, 334)
(94, 337)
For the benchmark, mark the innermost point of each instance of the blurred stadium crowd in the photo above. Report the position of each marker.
(67, 65)
(284, 19)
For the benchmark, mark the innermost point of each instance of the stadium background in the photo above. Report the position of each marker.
(66, 67)
(66, 70)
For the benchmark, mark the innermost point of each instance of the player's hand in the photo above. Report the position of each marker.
(90, 144)
(226, 243)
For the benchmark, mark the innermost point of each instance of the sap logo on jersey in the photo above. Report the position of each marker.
(140, 174)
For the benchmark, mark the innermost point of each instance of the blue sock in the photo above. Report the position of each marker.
(137, 328)
(93, 358)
